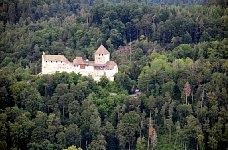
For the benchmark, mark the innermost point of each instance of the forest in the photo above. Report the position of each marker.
(174, 52)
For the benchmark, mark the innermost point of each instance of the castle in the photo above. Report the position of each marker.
(102, 66)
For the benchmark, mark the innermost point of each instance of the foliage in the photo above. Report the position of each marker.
(175, 56)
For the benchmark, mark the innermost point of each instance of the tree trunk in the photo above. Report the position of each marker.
(35, 69)
(130, 46)
(140, 134)
(63, 112)
(148, 143)
(186, 99)
(202, 97)
(170, 134)
(175, 141)
(192, 97)
(87, 21)
(86, 144)
(137, 34)
(45, 92)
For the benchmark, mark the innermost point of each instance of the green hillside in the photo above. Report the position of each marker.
(173, 52)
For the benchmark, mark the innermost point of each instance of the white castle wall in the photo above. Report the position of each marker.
(110, 73)
(101, 59)
(85, 72)
(49, 67)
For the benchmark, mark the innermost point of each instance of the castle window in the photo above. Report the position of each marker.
(82, 66)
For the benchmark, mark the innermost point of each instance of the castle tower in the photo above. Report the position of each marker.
(102, 55)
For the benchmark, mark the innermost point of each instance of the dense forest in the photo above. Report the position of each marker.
(175, 52)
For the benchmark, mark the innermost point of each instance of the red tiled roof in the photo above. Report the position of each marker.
(79, 60)
(110, 65)
(55, 58)
(102, 50)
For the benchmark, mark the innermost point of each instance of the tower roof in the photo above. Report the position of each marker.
(102, 50)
